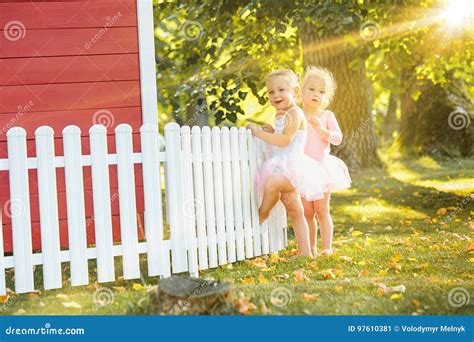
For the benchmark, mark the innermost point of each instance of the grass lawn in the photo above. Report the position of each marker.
(402, 241)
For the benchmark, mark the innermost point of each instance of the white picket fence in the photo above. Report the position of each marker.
(210, 196)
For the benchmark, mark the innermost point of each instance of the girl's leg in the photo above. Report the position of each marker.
(295, 211)
(321, 209)
(312, 224)
(274, 185)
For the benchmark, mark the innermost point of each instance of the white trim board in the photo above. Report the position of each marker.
(146, 48)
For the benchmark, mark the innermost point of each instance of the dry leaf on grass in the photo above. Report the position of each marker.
(71, 305)
(310, 297)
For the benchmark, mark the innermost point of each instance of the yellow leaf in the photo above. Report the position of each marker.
(338, 288)
(137, 286)
(442, 211)
(383, 272)
(262, 279)
(416, 303)
(412, 259)
(307, 297)
(299, 276)
(248, 280)
(364, 273)
(328, 274)
(396, 296)
(471, 259)
(356, 233)
(470, 248)
(361, 263)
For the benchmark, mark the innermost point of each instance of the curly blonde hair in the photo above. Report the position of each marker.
(292, 77)
(323, 73)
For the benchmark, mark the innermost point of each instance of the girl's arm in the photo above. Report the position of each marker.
(333, 133)
(293, 122)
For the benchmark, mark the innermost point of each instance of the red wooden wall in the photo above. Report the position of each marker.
(64, 63)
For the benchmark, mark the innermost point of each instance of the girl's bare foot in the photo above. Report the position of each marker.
(325, 252)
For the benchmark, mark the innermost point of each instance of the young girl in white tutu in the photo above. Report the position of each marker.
(318, 88)
(288, 173)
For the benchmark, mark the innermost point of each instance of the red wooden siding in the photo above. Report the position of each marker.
(68, 63)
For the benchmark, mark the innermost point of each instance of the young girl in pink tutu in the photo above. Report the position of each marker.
(318, 88)
(288, 173)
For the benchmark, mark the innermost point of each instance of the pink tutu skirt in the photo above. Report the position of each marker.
(306, 174)
(311, 178)
(337, 173)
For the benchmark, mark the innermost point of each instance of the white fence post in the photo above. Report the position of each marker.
(127, 201)
(256, 228)
(101, 199)
(3, 288)
(189, 201)
(271, 222)
(158, 258)
(228, 194)
(174, 197)
(20, 210)
(247, 215)
(199, 197)
(76, 214)
(237, 192)
(218, 195)
(48, 202)
(209, 196)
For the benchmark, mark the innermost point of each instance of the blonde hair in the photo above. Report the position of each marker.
(293, 79)
(326, 75)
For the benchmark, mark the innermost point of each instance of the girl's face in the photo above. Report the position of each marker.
(280, 93)
(315, 93)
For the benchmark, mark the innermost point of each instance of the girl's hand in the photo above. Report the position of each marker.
(254, 128)
(268, 128)
(315, 122)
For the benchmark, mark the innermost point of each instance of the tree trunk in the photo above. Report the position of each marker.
(352, 103)
(438, 122)
(389, 124)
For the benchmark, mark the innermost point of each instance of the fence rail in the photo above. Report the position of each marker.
(209, 195)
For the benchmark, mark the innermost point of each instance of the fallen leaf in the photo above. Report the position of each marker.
(416, 303)
(396, 296)
(299, 276)
(356, 233)
(338, 288)
(119, 289)
(283, 276)
(248, 280)
(262, 279)
(364, 273)
(307, 297)
(328, 274)
(33, 296)
(441, 211)
(137, 286)
(244, 305)
(72, 305)
(412, 259)
(470, 248)
(471, 259)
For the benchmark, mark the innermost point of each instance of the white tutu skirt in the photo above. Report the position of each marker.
(311, 178)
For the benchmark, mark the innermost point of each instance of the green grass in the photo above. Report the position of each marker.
(388, 229)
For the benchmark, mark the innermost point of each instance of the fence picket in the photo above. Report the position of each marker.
(175, 197)
(128, 207)
(20, 210)
(218, 194)
(48, 202)
(228, 194)
(259, 154)
(101, 202)
(237, 192)
(3, 288)
(256, 227)
(209, 196)
(189, 201)
(246, 211)
(156, 254)
(199, 197)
